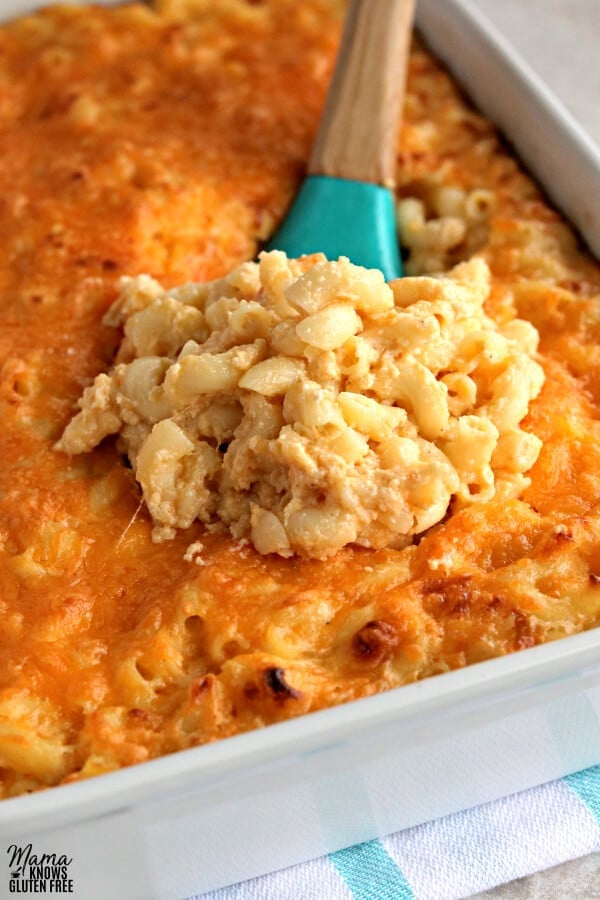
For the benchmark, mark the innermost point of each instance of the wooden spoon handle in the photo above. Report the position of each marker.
(359, 129)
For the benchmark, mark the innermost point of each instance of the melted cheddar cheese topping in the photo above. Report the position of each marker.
(170, 141)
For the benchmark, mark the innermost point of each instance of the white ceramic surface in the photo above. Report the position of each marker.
(561, 40)
(215, 815)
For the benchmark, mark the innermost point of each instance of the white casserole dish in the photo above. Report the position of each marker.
(214, 815)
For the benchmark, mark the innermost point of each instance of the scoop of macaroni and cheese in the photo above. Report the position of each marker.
(306, 404)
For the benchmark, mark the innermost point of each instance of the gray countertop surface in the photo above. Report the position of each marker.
(560, 39)
(575, 880)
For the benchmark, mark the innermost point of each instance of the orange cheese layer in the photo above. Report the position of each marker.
(170, 141)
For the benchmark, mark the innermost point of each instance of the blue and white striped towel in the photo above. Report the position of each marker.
(452, 857)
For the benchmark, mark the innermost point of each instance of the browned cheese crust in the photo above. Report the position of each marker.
(171, 142)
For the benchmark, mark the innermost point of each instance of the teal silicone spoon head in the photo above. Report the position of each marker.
(346, 205)
(341, 217)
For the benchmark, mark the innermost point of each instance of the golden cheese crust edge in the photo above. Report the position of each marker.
(170, 141)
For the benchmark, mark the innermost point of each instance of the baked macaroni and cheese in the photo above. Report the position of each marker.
(323, 407)
(286, 485)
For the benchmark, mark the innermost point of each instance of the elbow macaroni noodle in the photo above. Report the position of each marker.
(450, 225)
(307, 405)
